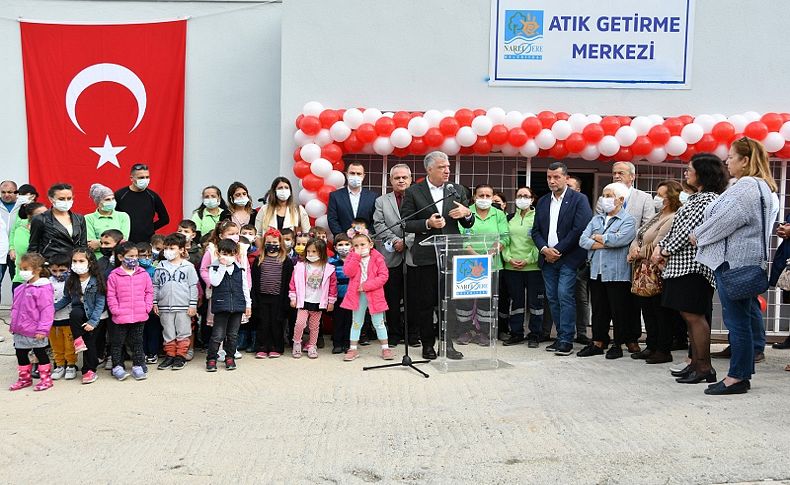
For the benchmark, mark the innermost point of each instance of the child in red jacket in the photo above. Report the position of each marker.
(367, 272)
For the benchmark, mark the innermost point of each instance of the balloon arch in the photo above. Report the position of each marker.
(324, 135)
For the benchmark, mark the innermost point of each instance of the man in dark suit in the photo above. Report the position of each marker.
(351, 202)
(560, 219)
(439, 217)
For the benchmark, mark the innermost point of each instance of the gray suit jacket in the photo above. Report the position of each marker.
(386, 214)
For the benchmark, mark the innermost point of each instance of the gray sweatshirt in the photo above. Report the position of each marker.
(175, 286)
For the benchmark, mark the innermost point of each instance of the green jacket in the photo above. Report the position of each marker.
(494, 223)
(521, 244)
(208, 223)
(16, 223)
(19, 242)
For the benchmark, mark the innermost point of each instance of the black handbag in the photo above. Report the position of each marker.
(747, 281)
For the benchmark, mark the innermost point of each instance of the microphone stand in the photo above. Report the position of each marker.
(406, 360)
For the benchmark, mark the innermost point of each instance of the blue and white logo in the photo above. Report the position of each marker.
(472, 277)
(523, 35)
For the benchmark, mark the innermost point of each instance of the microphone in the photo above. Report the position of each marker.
(451, 190)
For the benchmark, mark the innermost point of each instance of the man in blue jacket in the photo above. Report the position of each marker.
(351, 202)
(560, 218)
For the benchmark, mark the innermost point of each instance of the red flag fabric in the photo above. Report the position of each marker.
(102, 98)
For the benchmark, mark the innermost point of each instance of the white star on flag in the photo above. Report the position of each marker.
(108, 153)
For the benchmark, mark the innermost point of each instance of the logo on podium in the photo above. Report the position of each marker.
(472, 277)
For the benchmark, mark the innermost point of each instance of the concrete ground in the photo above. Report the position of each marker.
(543, 419)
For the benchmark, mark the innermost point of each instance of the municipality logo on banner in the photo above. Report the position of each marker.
(523, 35)
(472, 277)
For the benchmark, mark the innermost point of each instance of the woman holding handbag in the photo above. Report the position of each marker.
(733, 242)
(647, 283)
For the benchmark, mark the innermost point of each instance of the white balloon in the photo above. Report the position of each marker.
(594, 119)
(529, 115)
(752, 116)
(738, 122)
(433, 117)
(466, 136)
(482, 125)
(448, 113)
(676, 146)
(353, 118)
(321, 167)
(692, 133)
(513, 119)
(774, 142)
(388, 114)
(400, 137)
(529, 149)
(719, 117)
(496, 114)
(545, 139)
(322, 221)
(313, 108)
(657, 155)
(450, 146)
(590, 153)
(323, 138)
(578, 121)
(335, 179)
(608, 146)
(706, 122)
(626, 136)
(656, 119)
(509, 150)
(785, 130)
(382, 146)
(339, 131)
(301, 138)
(315, 208)
(418, 126)
(306, 196)
(561, 129)
(310, 152)
(721, 151)
(370, 115)
(641, 124)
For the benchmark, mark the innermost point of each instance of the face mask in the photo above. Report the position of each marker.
(171, 254)
(241, 201)
(63, 205)
(289, 244)
(187, 236)
(607, 204)
(24, 199)
(523, 204)
(61, 277)
(142, 184)
(354, 181)
(145, 262)
(313, 258)
(244, 247)
(272, 248)
(252, 249)
(299, 249)
(155, 254)
(364, 252)
(343, 250)
(483, 204)
(211, 203)
(79, 268)
(684, 197)
(283, 194)
(130, 263)
(234, 237)
(226, 260)
(659, 203)
(26, 275)
(108, 206)
(106, 252)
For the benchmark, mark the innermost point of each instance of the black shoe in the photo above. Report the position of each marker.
(748, 384)
(552, 347)
(533, 342)
(695, 377)
(545, 338)
(642, 354)
(230, 364)
(782, 345)
(414, 342)
(178, 363)
(167, 363)
(590, 350)
(563, 349)
(428, 353)
(513, 340)
(720, 389)
(320, 344)
(724, 354)
(583, 340)
(659, 358)
(337, 350)
(504, 336)
(685, 372)
(211, 366)
(453, 354)
(614, 352)
(34, 372)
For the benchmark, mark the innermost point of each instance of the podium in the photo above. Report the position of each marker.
(468, 299)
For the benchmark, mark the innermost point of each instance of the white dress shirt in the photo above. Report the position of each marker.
(437, 193)
(554, 215)
(354, 200)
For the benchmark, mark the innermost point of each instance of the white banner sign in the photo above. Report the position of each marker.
(617, 43)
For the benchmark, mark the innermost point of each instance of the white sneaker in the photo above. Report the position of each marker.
(679, 366)
(238, 355)
(190, 354)
(57, 373)
(71, 372)
(108, 364)
(221, 355)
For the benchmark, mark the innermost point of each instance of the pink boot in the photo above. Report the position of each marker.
(25, 380)
(46, 377)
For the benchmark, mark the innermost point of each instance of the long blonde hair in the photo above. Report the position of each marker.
(272, 201)
(758, 165)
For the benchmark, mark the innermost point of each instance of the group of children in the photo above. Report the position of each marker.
(240, 289)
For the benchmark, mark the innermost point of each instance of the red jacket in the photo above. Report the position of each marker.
(378, 274)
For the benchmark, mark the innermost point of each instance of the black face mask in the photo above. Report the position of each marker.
(272, 248)
(106, 252)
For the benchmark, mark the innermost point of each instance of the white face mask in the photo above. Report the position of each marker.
(79, 268)
(523, 204)
(142, 184)
(170, 254)
(26, 275)
(211, 203)
(483, 204)
(684, 197)
(63, 205)
(313, 258)
(364, 252)
(226, 260)
(241, 201)
(659, 203)
(354, 181)
(283, 194)
(343, 250)
(24, 199)
(289, 244)
(607, 204)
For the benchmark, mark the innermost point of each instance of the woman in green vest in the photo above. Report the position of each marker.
(105, 217)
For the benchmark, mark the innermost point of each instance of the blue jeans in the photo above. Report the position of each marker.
(560, 281)
(532, 282)
(744, 320)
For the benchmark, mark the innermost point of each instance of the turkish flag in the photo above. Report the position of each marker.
(102, 98)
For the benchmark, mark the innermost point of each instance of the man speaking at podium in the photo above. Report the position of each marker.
(440, 208)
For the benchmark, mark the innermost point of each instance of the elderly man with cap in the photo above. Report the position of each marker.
(105, 217)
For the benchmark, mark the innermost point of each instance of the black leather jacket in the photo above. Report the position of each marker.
(48, 236)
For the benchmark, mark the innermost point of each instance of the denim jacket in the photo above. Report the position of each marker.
(93, 301)
(610, 262)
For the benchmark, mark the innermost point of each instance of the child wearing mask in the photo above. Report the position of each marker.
(271, 275)
(341, 318)
(60, 337)
(188, 229)
(107, 242)
(152, 332)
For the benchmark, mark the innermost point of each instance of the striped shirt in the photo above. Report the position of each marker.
(681, 261)
(271, 276)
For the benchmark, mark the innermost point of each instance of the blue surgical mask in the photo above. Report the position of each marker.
(145, 262)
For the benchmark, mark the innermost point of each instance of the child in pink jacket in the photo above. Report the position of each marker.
(367, 272)
(130, 297)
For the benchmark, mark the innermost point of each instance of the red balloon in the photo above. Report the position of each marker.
(593, 133)
(401, 119)
(575, 143)
(482, 146)
(449, 126)
(353, 144)
(298, 154)
(785, 117)
(498, 135)
(331, 152)
(547, 119)
(299, 122)
(301, 169)
(543, 153)
(323, 193)
(691, 150)
(400, 152)
(707, 143)
(659, 135)
(559, 150)
(674, 125)
(479, 112)
(310, 125)
(417, 146)
(756, 130)
(464, 116)
(339, 165)
(784, 152)
(641, 146)
(624, 154)
(562, 115)
(773, 121)
(466, 151)
(328, 117)
(723, 132)
(531, 126)
(624, 120)
(517, 137)
(366, 133)
(686, 119)
(384, 126)
(610, 124)
(312, 182)
(416, 114)
(763, 303)
(433, 137)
